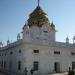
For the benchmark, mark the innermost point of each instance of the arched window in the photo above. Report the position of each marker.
(19, 51)
(4, 64)
(19, 65)
(11, 53)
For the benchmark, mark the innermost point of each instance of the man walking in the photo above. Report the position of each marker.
(25, 71)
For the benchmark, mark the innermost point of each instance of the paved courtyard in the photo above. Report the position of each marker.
(48, 74)
(2, 73)
(60, 74)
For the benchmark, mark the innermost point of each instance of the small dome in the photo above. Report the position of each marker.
(37, 17)
(8, 42)
(67, 40)
(52, 25)
(18, 36)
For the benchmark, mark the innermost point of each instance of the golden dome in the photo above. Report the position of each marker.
(37, 17)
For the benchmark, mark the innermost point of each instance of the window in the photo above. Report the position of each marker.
(10, 65)
(4, 64)
(19, 51)
(35, 65)
(56, 52)
(73, 53)
(45, 31)
(36, 51)
(5, 54)
(45, 39)
(11, 53)
(19, 65)
(2, 54)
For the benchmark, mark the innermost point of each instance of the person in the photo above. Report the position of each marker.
(25, 71)
(31, 71)
(69, 71)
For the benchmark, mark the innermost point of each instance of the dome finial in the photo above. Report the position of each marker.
(38, 2)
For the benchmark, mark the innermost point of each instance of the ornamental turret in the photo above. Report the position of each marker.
(67, 40)
(74, 40)
(1, 44)
(8, 42)
(18, 37)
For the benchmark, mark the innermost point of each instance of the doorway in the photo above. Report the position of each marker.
(57, 67)
(73, 65)
(35, 65)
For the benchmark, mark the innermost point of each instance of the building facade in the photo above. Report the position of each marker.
(38, 48)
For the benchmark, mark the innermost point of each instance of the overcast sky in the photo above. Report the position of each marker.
(14, 13)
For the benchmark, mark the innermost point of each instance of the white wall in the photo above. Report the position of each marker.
(45, 57)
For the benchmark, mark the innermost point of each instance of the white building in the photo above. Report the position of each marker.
(38, 48)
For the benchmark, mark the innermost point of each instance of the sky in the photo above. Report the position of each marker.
(14, 14)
